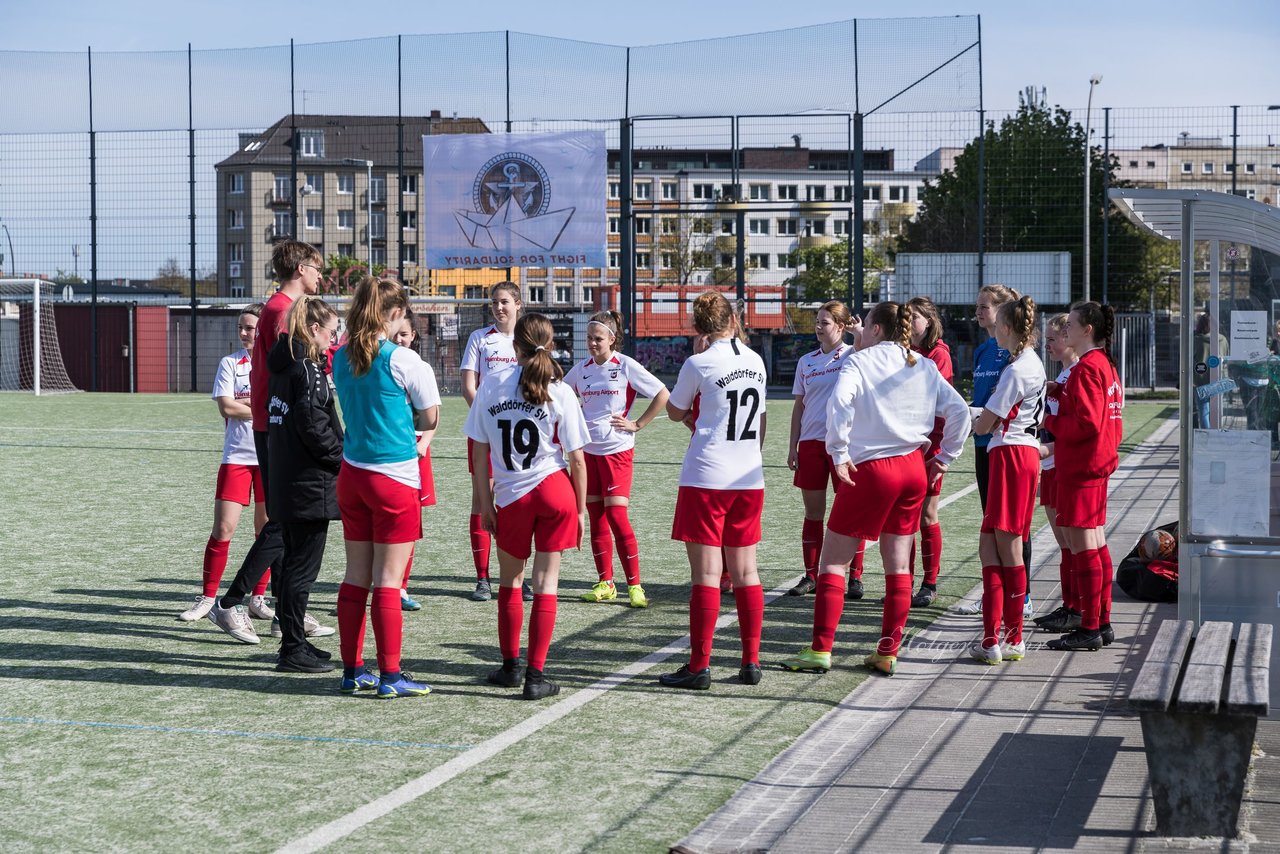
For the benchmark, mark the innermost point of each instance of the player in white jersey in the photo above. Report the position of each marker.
(1012, 417)
(1065, 617)
(607, 384)
(489, 353)
(807, 454)
(721, 487)
(425, 423)
(882, 410)
(527, 425)
(239, 479)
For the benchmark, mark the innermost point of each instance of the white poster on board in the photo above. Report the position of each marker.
(514, 200)
(1231, 483)
(1248, 336)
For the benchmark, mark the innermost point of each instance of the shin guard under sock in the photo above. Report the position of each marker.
(215, 563)
(352, 604)
(388, 627)
(1014, 579)
(811, 546)
(625, 538)
(993, 602)
(479, 546)
(601, 541)
(542, 622)
(897, 605)
(931, 553)
(704, 610)
(510, 621)
(750, 602)
(828, 605)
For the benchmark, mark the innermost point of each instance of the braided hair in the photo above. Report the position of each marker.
(895, 320)
(1020, 317)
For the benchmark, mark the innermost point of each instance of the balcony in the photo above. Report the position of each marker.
(275, 199)
(274, 235)
(814, 241)
(375, 199)
(727, 243)
(818, 207)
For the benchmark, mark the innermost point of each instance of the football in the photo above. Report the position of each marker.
(1157, 544)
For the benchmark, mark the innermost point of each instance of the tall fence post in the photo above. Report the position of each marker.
(626, 238)
(191, 214)
(399, 226)
(982, 169)
(1235, 168)
(293, 159)
(93, 239)
(859, 189)
(1106, 202)
(740, 256)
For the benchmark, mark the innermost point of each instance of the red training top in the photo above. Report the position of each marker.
(270, 324)
(940, 355)
(1089, 424)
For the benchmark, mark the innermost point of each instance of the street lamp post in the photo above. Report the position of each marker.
(368, 204)
(1088, 167)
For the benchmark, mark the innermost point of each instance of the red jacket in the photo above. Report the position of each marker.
(1089, 424)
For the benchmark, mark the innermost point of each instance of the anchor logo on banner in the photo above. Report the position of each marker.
(511, 195)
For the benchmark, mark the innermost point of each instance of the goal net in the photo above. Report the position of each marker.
(30, 355)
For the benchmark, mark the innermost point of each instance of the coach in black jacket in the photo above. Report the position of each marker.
(304, 440)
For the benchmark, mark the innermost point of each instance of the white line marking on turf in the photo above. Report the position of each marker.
(351, 822)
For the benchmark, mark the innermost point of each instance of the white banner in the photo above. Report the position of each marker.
(514, 200)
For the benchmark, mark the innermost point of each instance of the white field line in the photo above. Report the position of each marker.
(351, 822)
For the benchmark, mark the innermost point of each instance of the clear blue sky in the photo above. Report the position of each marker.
(1150, 54)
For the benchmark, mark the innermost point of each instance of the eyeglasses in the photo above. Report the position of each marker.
(312, 266)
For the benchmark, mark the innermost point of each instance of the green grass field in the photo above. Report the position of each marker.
(126, 730)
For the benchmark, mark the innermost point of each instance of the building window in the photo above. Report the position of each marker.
(408, 220)
(667, 260)
(235, 219)
(670, 225)
(1186, 168)
(408, 183)
(787, 226)
(281, 188)
(871, 194)
(613, 225)
(283, 226)
(613, 260)
(346, 182)
(588, 295)
(1151, 164)
(235, 183)
(644, 225)
(786, 259)
(1206, 168)
(346, 219)
(564, 294)
(235, 251)
(670, 191)
(378, 224)
(312, 143)
(1247, 194)
(726, 226)
(644, 190)
(409, 253)
(315, 184)
(758, 226)
(614, 190)
(315, 218)
(899, 194)
(537, 293)
(347, 250)
(474, 292)
(788, 192)
(844, 193)
(644, 260)
(1229, 168)
(758, 192)
(759, 260)
(237, 287)
(1250, 169)
(702, 260)
(704, 192)
(815, 226)
(701, 225)
(839, 226)
(378, 189)
(727, 260)
(816, 192)
(379, 255)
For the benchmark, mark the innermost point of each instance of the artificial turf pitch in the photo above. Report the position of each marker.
(122, 729)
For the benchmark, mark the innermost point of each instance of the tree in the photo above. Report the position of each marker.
(1034, 180)
(342, 273)
(686, 243)
(824, 272)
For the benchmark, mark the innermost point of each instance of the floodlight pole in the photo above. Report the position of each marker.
(1088, 167)
(368, 204)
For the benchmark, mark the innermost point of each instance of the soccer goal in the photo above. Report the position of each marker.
(30, 357)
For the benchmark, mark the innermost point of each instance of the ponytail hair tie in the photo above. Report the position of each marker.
(540, 348)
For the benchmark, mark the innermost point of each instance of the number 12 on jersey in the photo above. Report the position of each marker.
(748, 397)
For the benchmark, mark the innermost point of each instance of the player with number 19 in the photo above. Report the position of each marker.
(525, 424)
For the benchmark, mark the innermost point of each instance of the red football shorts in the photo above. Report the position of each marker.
(1082, 506)
(1048, 488)
(814, 467)
(609, 475)
(545, 518)
(236, 482)
(427, 487)
(718, 517)
(931, 489)
(885, 498)
(471, 443)
(1011, 489)
(376, 508)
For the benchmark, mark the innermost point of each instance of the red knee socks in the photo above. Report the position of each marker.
(828, 605)
(404, 582)
(215, 563)
(897, 604)
(1088, 574)
(857, 560)
(542, 622)
(704, 610)
(811, 546)
(625, 537)
(1066, 575)
(510, 621)
(388, 627)
(260, 589)
(352, 602)
(750, 602)
(993, 601)
(931, 553)
(1014, 580)
(601, 541)
(1108, 578)
(479, 546)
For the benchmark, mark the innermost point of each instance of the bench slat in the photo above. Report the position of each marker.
(1172, 640)
(1249, 691)
(1153, 689)
(1206, 671)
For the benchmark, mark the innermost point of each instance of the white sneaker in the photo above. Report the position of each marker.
(259, 609)
(1013, 651)
(198, 609)
(985, 654)
(968, 609)
(309, 623)
(235, 622)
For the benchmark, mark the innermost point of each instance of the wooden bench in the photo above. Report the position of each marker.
(1200, 696)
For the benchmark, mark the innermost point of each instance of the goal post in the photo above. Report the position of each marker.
(30, 352)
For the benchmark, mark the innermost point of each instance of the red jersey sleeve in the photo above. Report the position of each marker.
(1082, 405)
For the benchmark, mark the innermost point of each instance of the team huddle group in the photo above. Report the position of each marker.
(878, 421)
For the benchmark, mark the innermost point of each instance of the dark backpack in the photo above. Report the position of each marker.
(1149, 581)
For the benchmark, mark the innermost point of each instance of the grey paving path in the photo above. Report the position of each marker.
(954, 755)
